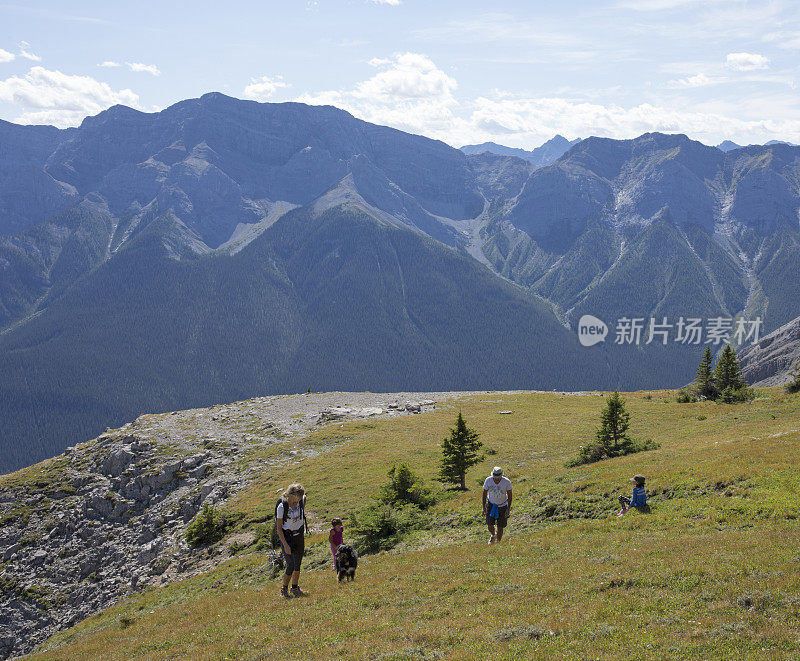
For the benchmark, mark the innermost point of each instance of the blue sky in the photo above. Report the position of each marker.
(461, 71)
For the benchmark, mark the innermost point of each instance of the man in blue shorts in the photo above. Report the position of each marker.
(496, 503)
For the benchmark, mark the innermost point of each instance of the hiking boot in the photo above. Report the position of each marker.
(285, 592)
(297, 592)
(492, 539)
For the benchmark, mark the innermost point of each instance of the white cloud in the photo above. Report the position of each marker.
(25, 51)
(534, 119)
(419, 98)
(410, 93)
(109, 64)
(327, 98)
(152, 69)
(60, 118)
(699, 80)
(407, 76)
(5, 56)
(746, 61)
(261, 89)
(57, 98)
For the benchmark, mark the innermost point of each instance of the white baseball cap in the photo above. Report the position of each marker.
(497, 472)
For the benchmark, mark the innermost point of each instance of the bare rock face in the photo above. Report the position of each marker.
(769, 361)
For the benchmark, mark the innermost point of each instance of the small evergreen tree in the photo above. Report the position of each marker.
(393, 513)
(405, 488)
(794, 385)
(704, 383)
(614, 422)
(727, 373)
(459, 452)
(611, 438)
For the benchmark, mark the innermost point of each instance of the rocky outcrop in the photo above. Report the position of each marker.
(108, 517)
(769, 361)
(111, 522)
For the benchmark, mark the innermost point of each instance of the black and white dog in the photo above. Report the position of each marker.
(346, 562)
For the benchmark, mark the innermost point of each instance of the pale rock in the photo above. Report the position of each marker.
(117, 461)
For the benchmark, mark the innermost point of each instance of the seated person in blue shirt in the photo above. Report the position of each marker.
(638, 497)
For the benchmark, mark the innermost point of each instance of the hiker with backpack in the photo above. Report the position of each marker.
(290, 520)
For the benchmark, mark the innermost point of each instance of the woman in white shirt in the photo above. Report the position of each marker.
(290, 518)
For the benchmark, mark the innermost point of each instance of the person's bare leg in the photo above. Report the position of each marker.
(295, 577)
(500, 533)
(491, 530)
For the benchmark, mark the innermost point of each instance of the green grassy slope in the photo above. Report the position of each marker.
(710, 572)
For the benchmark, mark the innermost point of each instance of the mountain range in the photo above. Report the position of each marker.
(729, 145)
(545, 154)
(222, 249)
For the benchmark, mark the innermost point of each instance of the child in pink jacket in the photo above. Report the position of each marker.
(335, 537)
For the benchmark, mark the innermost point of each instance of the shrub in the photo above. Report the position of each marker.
(686, 396)
(406, 488)
(588, 455)
(396, 511)
(236, 547)
(732, 395)
(757, 600)
(208, 527)
(380, 527)
(593, 452)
